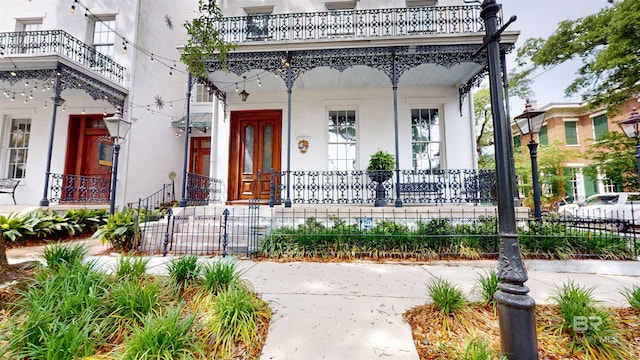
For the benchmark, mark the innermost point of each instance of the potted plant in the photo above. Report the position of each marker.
(380, 169)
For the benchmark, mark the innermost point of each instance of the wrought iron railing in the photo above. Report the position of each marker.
(369, 23)
(59, 42)
(203, 190)
(65, 188)
(359, 187)
(165, 197)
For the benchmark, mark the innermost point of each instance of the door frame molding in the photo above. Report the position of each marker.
(235, 145)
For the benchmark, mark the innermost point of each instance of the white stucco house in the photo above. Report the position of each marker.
(325, 84)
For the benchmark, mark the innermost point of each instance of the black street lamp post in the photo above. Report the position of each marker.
(516, 317)
(118, 129)
(630, 128)
(529, 123)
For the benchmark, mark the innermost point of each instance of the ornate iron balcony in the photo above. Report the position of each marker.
(67, 188)
(360, 187)
(59, 42)
(353, 24)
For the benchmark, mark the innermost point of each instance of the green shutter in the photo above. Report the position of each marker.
(600, 126)
(516, 142)
(544, 139)
(571, 132)
(590, 185)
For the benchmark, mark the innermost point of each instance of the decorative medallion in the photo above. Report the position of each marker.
(303, 145)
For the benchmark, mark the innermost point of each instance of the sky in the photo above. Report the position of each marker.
(539, 18)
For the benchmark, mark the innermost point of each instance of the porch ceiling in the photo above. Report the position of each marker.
(74, 77)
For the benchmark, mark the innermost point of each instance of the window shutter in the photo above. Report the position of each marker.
(600, 126)
(571, 132)
(543, 137)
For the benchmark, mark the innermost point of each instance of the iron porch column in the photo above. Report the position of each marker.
(518, 339)
(394, 83)
(183, 198)
(287, 201)
(47, 173)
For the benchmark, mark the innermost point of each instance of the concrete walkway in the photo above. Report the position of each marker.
(354, 310)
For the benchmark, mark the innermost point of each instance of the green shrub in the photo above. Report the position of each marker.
(219, 275)
(13, 227)
(62, 315)
(591, 329)
(130, 267)
(184, 270)
(632, 295)
(135, 300)
(61, 255)
(120, 230)
(163, 337)
(236, 315)
(477, 348)
(88, 219)
(446, 297)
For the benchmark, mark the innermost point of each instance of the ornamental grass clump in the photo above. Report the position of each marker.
(447, 297)
(184, 271)
(477, 348)
(235, 317)
(61, 316)
(134, 300)
(486, 287)
(220, 275)
(632, 295)
(130, 267)
(60, 255)
(591, 329)
(163, 336)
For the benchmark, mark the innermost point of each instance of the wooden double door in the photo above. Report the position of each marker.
(255, 150)
(89, 181)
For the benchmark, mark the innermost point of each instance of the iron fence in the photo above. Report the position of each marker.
(59, 42)
(422, 234)
(416, 234)
(78, 189)
(203, 190)
(364, 187)
(211, 230)
(367, 23)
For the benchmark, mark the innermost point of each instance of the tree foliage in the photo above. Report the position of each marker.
(483, 121)
(205, 41)
(606, 42)
(551, 160)
(613, 156)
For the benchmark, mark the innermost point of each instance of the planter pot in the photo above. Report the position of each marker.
(379, 177)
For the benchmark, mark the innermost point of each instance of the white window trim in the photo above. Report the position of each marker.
(340, 5)
(95, 18)
(443, 135)
(337, 107)
(4, 142)
(21, 22)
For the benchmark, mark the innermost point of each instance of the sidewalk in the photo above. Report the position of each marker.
(354, 310)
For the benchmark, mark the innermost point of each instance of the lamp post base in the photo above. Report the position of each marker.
(517, 323)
